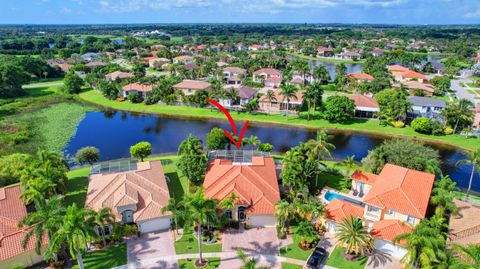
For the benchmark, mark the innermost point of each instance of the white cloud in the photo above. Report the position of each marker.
(473, 14)
(65, 10)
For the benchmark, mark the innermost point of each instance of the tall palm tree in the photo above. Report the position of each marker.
(309, 96)
(463, 112)
(349, 165)
(443, 195)
(289, 92)
(101, 218)
(474, 160)
(469, 255)
(270, 96)
(45, 220)
(354, 237)
(201, 211)
(232, 94)
(283, 212)
(178, 210)
(320, 147)
(75, 231)
(36, 191)
(317, 90)
(320, 73)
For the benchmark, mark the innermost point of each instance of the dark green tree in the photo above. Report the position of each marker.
(338, 108)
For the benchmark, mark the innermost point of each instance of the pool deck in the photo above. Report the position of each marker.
(350, 195)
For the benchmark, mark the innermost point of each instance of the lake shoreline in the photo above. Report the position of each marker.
(218, 116)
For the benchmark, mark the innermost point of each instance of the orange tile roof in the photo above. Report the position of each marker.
(389, 229)
(337, 210)
(138, 87)
(397, 68)
(12, 211)
(363, 76)
(255, 184)
(192, 84)
(363, 101)
(412, 74)
(401, 189)
(268, 71)
(365, 177)
(146, 188)
(118, 74)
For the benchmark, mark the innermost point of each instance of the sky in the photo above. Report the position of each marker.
(240, 11)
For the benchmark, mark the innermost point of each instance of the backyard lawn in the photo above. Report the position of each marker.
(213, 263)
(336, 259)
(294, 251)
(372, 126)
(188, 244)
(77, 186)
(291, 266)
(105, 258)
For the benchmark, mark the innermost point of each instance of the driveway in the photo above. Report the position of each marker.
(253, 241)
(144, 252)
(462, 92)
(381, 260)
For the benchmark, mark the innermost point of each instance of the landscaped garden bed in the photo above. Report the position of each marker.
(338, 260)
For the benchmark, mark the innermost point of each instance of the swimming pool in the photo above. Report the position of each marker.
(329, 196)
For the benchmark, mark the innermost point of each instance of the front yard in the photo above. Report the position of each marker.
(105, 258)
(294, 251)
(189, 264)
(188, 244)
(336, 259)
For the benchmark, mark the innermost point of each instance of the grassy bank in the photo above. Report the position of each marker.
(327, 60)
(359, 125)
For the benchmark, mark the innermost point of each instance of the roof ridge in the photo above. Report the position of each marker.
(105, 190)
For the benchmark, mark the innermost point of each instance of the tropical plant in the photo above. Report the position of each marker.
(474, 160)
(141, 150)
(348, 165)
(87, 155)
(354, 237)
(270, 96)
(289, 92)
(253, 141)
(101, 218)
(283, 212)
(248, 263)
(35, 191)
(320, 147)
(443, 194)
(306, 233)
(469, 255)
(338, 108)
(178, 210)
(193, 161)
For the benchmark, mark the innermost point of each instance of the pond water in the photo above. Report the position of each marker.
(351, 68)
(113, 132)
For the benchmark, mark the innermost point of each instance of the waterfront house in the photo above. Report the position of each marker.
(397, 70)
(157, 62)
(265, 73)
(12, 211)
(464, 228)
(234, 75)
(365, 107)
(426, 107)
(279, 103)
(143, 90)
(190, 87)
(185, 59)
(324, 52)
(245, 94)
(135, 196)
(358, 78)
(412, 76)
(254, 182)
(413, 86)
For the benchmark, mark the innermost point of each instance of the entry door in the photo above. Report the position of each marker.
(127, 216)
(241, 213)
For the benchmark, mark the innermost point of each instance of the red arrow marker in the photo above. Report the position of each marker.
(238, 143)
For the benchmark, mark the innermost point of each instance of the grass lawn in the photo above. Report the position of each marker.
(105, 258)
(291, 266)
(77, 186)
(336, 259)
(178, 184)
(471, 91)
(294, 251)
(188, 244)
(213, 263)
(361, 125)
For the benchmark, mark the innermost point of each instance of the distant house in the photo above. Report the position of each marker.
(426, 88)
(134, 196)
(12, 211)
(157, 62)
(476, 122)
(118, 75)
(397, 70)
(265, 73)
(464, 228)
(377, 52)
(255, 47)
(348, 55)
(413, 76)
(279, 104)
(143, 90)
(234, 75)
(95, 64)
(426, 107)
(245, 95)
(65, 67)
(273, 82)
(365, 107)
(358, 78)
(185, 59)
(190, 87)
(90, 56)
(324, 52)
(255, 184)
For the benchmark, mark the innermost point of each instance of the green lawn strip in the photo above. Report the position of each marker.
(188, 244)
(370, 126)
(471, 91)
(336, 259)
(291, 266)
(327, 60)
(212, 263)
(53, 126)
(105, 258)
(294, 251)
(178, 184)
(77, 186)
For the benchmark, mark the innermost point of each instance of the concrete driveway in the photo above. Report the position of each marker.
(253, 241)
(144, 252)
(381, 260)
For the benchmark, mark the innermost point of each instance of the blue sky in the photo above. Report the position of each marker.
(234, 11)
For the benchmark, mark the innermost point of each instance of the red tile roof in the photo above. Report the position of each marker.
(323, 49)
(138, 87)
(363, 101)
(401, 189)
(234, 69)
(146, 188)
(412, 74)
(192, 84)
(255, 184)
(280, 99)
(268, 71)
(12, 211)
(365, 177)
(273, 80)
(389, 229)
(361, 76)
(337, 210)
(118, 74)
(397, 68)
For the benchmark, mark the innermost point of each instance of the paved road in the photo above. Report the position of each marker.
(462, 92)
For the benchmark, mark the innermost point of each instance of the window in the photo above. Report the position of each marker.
(391, 212)
(372, 209)
(106, 230)
(410, 219)
(228, 214)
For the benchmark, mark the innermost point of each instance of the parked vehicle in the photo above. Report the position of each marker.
(316, 258)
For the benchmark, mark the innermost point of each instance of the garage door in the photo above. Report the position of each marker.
(154, 225)
(390, 248)
(263, 221)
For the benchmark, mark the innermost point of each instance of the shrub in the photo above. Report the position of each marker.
(437, 128)
(216, 139)
(87, 155)
(398, 124)
(11, 167)
(448, 131)
(141, 150)
(135, 98)
(265, 147)
(422, 125)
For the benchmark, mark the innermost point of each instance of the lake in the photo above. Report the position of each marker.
(113, 132)
(351, 67)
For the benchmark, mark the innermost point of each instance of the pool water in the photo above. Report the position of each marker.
(329, 196)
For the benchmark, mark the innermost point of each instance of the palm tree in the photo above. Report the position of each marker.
(101, 218)
(270, 96)
(306, 232)
(317, 89)
(75, 231)
(288, 92)
(474, 160)
(232, 94)
(443, 195)
(283, 212)
(320, 73)
(354, 237)
(178, 210)
(201, 211)
(469, 255)
(45, 220)
(349, 165)
(463, 112)
(35, 191)
(309, 96)
(320, 147)
(253, 141)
